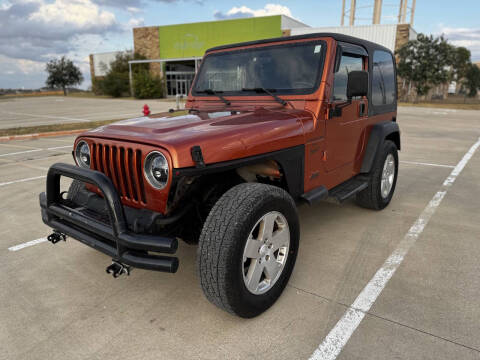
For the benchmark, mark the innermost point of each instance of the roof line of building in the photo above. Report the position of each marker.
(217, 20)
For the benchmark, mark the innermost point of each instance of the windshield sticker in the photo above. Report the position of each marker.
(317, 49)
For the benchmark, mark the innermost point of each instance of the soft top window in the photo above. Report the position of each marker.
(383, 79)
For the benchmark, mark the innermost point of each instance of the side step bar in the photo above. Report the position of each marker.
(347, 189)
(338, 194)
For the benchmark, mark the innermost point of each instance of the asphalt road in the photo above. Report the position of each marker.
(32, 111)
(57, 302)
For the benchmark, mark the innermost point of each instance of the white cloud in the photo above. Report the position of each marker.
(244, 11)
(36, 29)
(135, 22)
(134, 10)
(466, 37)
(82, 14)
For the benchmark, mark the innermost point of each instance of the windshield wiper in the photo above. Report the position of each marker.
(213, 92)
(267, 91)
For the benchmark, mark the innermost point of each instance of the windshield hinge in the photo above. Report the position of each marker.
(197, 156)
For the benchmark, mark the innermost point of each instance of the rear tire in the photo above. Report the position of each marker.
(227, 266)
(381, 179)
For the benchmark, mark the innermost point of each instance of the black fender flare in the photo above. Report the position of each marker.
(379, 133)
(291, 161)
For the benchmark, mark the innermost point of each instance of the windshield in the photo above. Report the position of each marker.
(289, 69)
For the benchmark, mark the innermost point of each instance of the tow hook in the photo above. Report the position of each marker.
(56, 236)
(117, 269)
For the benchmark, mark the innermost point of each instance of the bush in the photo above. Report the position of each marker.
(147, 86)
(115, 84)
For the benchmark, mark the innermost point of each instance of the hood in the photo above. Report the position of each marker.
(221, 135)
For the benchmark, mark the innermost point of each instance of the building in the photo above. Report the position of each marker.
(100, 62)
(175, 51)
(392, 36)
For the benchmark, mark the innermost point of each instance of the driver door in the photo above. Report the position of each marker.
(344, 126)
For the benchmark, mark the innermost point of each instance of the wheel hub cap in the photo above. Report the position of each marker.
(265, 253)
(388, 176)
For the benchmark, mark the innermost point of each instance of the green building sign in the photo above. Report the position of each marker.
(191, 40)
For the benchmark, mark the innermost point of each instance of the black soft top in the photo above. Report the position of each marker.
(368, 45)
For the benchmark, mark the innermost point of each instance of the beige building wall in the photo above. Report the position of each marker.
(146, 43)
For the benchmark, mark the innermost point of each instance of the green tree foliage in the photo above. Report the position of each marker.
(116, 82)
(147, 86)
(425, 62)
(62, 73)
(472, 79)
(460, 62)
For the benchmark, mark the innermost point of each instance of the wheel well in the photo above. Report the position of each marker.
(201, 187)
(395, 137)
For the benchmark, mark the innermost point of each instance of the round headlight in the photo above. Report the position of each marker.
(156, 169)
(82, 154)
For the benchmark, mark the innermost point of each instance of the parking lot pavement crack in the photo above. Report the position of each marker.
(424, 332)
(386, 319)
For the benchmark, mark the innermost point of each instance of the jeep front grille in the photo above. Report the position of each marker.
(123, 165)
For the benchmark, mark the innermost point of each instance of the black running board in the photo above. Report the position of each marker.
(317, 194)
(346, 190)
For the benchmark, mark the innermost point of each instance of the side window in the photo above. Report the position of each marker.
(383, 79)
(347, 63)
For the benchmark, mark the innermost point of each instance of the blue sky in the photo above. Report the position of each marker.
(33, 31)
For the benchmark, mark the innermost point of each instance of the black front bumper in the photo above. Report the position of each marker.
(112, 238)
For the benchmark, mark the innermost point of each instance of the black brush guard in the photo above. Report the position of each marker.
(115, 240)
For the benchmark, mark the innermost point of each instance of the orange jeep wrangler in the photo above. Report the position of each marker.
(270, 124)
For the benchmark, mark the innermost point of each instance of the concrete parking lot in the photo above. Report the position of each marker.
(57, 302)
(33, 111)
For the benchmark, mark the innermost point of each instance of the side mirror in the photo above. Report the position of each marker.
(357, 84)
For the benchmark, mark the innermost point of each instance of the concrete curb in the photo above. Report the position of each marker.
(41, 135)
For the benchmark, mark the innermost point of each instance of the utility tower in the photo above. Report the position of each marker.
(403, 9)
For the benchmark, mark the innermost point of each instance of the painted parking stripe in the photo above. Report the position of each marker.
(63, 147)
(21, 152)
(22, 180)
(27, 244)
(338, 337)
(35, 150)
(426, 164)
(46, 116)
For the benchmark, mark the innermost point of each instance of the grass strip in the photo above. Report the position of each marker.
(68, 126)
(443, 105)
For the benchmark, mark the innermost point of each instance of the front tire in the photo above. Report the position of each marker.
(247, 248)
(382, 179)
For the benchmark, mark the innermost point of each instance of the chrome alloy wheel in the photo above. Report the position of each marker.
(388, 176)
(265, 253)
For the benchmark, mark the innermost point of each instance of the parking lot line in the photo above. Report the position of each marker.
(63, 147)
(36, 150)
(338, 337)
(426, 164)
(21, 152)
(27, 244)
(22, 180)
(46, 116)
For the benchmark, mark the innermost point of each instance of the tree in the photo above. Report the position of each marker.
(62, 73)
(472, 79)
(425, 62)
(116, 81)
(460, 63)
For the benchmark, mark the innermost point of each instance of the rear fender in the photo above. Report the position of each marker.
(380, 132)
